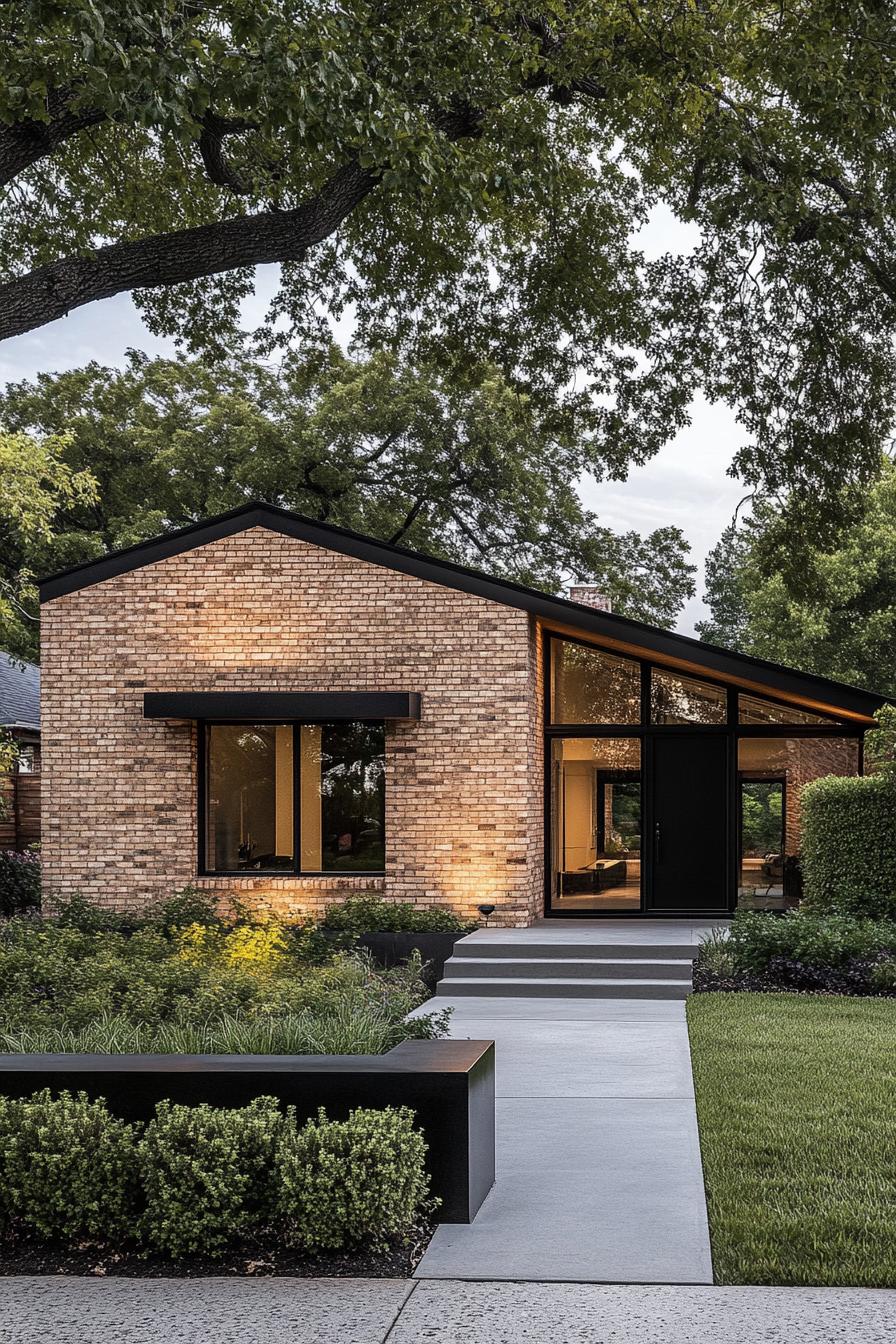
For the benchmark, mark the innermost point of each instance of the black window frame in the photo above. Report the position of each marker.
(646, 732)
(296, 871)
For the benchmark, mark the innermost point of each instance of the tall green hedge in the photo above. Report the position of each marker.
(849, 845)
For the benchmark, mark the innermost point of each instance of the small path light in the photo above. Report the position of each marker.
(485, 911)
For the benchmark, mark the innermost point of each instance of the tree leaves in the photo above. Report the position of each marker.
(468, 470)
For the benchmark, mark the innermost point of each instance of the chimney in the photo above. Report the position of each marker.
(590, 596)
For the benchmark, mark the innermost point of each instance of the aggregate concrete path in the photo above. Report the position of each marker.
(599, 1177)
(199, 1311)
(64, 1310)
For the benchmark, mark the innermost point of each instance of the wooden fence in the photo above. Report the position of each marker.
(20, 818)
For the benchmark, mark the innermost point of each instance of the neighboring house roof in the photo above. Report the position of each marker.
(19, 693)
(620, 632)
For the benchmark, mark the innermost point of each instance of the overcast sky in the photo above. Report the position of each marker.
(685, 484)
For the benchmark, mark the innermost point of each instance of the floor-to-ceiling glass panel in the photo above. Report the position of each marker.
(772, 772)
(595, 824)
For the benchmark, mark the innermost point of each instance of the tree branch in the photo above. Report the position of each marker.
(409, 521)
(26, 142)
(186, 254)
(211, 147)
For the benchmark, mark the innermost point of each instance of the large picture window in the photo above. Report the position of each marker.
(303, 798)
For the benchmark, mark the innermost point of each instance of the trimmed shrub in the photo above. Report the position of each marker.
(757, 942)
(372, 914)
(69, 1167)
(207, 1174)
(19, 882)
(849, 845)
(200, 1178)
(357, 1180)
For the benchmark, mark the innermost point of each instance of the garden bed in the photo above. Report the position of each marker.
(21, 1254)
(800, 953)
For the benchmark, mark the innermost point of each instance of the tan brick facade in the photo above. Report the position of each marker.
(260, 611)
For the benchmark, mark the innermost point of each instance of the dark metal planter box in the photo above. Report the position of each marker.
(390, 949)
(449, 1084)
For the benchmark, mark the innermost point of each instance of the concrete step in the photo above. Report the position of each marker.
(560, 988)
(492, 948)
(587, 968)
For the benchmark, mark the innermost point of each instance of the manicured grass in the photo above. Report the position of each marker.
(796, 1097)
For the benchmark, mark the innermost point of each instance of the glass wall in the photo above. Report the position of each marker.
(751, 709)
(596, 823)
(254, 775)
(772, 772)
(591, 686)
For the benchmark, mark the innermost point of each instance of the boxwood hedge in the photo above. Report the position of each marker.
(849, 845)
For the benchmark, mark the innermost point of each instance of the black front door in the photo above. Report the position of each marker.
(689, 819)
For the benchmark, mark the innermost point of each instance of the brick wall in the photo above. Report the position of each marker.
(259, 611)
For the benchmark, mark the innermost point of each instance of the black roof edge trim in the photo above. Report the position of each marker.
(309, 706)
(587, 620)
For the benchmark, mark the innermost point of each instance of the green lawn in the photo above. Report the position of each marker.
(796, 1097)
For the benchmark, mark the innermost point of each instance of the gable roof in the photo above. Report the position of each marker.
(19, 693)
(559, 613)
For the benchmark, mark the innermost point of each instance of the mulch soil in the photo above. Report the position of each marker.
(21, 1254)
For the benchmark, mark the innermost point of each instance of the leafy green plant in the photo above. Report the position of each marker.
(69, 1167)
(207, 1174)
(883, 976)
(346, 1030)
(372, 914)
(716, 954)
(20, 872)
(357, 1180)
(757, 940)
(189, 906)
(849, 845)
(229, 988)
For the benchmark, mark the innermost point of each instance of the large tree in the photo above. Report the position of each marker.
(471, 177)
(38, 483)
(836, 615)
(470, 472)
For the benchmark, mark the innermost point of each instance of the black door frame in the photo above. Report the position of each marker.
(647, 732)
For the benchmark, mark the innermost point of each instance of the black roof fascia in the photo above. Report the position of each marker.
(309, 706)
(587, 620)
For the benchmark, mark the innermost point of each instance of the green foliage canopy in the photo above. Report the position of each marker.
(470, 179)
(469, 470)
(825, 607)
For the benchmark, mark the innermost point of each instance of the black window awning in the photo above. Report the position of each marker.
(279, 706)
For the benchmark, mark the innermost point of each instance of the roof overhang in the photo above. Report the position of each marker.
(281, 706)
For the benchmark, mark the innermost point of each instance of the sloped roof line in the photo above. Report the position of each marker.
(589, 621)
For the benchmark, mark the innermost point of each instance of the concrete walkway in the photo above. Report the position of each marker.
(599, 1177)
(398, 1311)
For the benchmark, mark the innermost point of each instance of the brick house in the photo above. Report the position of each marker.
(272, 708)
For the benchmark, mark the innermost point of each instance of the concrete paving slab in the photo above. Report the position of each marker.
(551, 1009)
(199, 1311)
(623, 1058)
(539, 1313)
(602, 932)
(594, 1190)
